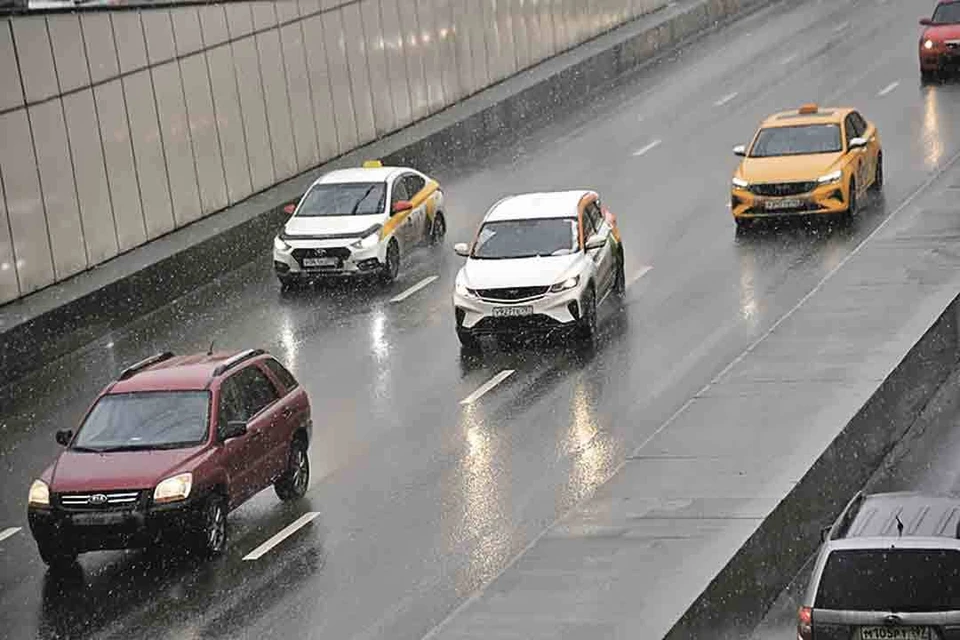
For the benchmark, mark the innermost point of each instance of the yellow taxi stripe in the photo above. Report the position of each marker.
(428, 190)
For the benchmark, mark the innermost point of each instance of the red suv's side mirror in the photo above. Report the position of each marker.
(64, 436)
(233, 429)
(401, 206)
(290, 208)
(926, 22)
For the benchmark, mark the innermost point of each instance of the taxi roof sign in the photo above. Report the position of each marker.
(372, 164)
(809, 108)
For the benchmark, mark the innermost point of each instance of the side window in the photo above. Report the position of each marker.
(285, 377)
(231, 403)
(592, 219)
(850, 129)
(414, 184)
(256, 389)
(399, 192)
(859, 123)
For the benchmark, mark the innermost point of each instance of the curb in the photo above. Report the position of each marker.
(739, 596)
(457, 133)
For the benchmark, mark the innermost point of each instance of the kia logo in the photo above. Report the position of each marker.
(98, 498)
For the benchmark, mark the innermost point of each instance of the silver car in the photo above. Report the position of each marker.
(889, 569)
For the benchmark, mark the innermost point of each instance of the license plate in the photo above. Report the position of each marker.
(98, 519)
(894, 633)
(320, 262)
(779, 205)
(512, 312)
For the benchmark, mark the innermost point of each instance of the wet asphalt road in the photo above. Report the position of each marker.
(421, 499)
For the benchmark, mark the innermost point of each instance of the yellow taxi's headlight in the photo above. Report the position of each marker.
(740, 183)
(367, 243)
(280, 245)
(830, 178)
(173, 489)
(39, 494)
(928, 44)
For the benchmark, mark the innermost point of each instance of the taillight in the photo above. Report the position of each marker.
(805, 624)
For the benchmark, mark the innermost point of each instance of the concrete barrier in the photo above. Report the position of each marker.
(123, 125)
(42, 327)
(738, 597)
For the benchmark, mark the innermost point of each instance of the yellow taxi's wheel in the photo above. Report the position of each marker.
(854, 203)
(438, 229)
(878, 175)
(392, 265)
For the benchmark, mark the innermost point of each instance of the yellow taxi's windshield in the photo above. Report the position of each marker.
(797, 140)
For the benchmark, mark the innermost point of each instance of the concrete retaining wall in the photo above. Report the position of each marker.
(120, 126)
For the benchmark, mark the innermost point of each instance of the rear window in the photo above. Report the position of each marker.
(890, 580)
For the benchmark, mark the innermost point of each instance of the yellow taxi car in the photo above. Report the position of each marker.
(811, 161)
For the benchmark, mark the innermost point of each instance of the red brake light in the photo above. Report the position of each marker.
(805, 623)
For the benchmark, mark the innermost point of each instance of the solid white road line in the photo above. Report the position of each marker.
(790, 58)
(288, 531)
(487, 386)
(639, 274)
(6, 533)
(649, 147)
(725, 99)
(840, 27)
(890, 87)
(400, 297)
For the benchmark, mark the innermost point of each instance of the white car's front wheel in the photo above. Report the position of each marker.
(588, 315)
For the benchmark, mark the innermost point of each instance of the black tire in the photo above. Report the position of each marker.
(744, 224)
(287, 283)
(292, 485)
(620, 279)
(211, 533)
(854, 203)
(392, 266)
(468, 341)
(57, 556)
(878, 176)
(438, 230)
(928, 77)
(588, 316)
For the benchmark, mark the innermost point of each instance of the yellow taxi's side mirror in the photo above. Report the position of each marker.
(740, 150)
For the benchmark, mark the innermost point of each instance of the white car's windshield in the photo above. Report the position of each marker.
(527, 238)
(799, 140)
(352, 199)
(947, 14)
(156, 420)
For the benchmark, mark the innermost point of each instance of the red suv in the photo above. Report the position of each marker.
(940, 42)
(169, 449)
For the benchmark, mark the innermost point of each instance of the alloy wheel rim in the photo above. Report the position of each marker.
(300, 470)
(215, 528)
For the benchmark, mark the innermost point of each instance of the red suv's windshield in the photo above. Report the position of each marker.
(151, 420)
(947, 14)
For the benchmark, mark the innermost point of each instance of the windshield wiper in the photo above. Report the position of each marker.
(86, 449)
(353, 211)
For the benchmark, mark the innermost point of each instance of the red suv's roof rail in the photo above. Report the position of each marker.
(237, 359)
(133, 369)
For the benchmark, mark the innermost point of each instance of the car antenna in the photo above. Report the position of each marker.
(210, 350)
(899, 527)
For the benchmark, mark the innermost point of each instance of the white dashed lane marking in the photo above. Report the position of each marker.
(649, 147)
(890, 87)
(639, 274)
(725, 99)
(400, 297)
(487, 386)
(7, 533)
(789, 59)
(287, 531)
(840, 27)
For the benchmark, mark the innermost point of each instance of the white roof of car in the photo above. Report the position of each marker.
(360, 174)
(556, 204)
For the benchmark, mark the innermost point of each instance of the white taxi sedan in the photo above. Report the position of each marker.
(359, 221)
(540, 262)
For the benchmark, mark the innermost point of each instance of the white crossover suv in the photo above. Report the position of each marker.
(358, 221)
(540, 262)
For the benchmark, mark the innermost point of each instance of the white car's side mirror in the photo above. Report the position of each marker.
(462, 249)
(595, 241)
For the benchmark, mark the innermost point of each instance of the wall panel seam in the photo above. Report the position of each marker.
(13, 246)
(213, 104)
(243, 118)
(286, 89)
(189, 128)
(263, 97)
(313, 111)
(133, 151)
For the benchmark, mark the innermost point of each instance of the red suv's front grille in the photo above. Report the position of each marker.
(100, 501)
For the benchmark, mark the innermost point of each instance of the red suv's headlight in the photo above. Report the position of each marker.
(173, 489)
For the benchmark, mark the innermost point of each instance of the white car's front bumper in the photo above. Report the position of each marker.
(338, 259)
(480, 314)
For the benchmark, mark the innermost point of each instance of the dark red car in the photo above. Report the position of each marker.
(940, 42)
(168, 450)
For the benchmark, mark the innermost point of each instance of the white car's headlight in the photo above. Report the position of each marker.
(173, 489)
(830, 178)
(928, 44)
(368, 242)
(566, 285)
(740, 183)
(280, 245)
(463, 290)
(39, 494)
